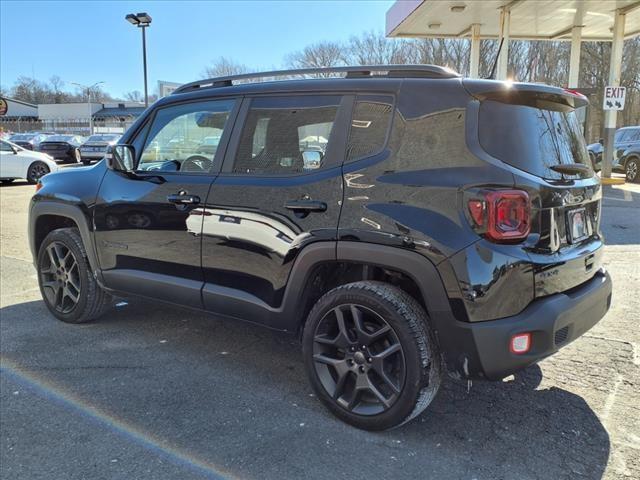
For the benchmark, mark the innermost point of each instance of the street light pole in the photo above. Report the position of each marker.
(142, 20)
(88, 89)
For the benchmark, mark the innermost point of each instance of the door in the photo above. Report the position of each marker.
(280, 190)
(11, 164)
(148, 224)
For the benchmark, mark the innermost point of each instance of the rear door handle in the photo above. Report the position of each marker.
(183, 199)
(306, 206)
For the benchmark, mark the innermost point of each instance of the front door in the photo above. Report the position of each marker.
(280, 190)
(148, 224)
(11, 164)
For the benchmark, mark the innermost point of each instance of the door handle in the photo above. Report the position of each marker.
(306, 206)
(183, 199)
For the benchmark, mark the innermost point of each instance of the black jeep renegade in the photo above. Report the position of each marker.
(402, 220)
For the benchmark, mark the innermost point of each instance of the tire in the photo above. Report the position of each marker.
(342, 379)
(69, 280)
(86, 162)
(36, 171)
(632, 169)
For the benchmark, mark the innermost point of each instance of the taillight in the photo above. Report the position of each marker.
(39, 186)
(502, 216)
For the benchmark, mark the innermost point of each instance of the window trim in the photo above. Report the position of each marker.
(337, 146)
(216, 165)
(363, 97)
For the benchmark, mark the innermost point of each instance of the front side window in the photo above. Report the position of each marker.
(184, 138)
(286, 135)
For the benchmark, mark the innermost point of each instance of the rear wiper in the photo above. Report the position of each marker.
(572, 169)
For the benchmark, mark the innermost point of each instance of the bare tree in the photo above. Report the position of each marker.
(318, 55)
(224, 67)
(373, 48)
(134, 96)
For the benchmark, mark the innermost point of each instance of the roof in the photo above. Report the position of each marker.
(119, 112)
(530, 19)
(20, 102)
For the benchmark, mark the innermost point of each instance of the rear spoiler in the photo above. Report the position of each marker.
(530, 94)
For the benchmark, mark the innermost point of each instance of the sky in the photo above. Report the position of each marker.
(90, 41)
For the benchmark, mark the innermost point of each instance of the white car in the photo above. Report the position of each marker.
(17, 162)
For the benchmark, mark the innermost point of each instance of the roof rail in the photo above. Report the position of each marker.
(363, 71)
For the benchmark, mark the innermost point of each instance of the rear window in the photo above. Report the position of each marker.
(531, 139)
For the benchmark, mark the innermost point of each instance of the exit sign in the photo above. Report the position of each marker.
(614, 98)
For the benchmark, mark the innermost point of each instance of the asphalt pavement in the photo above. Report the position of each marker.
(155, 392)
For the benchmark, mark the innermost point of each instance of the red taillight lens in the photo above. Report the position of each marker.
(38, 186)
(503, 216)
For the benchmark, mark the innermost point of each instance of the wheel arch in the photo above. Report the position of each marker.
(46, 216)
(356, 261)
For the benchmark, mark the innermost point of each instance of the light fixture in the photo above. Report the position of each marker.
(435, 25)
(458, 8)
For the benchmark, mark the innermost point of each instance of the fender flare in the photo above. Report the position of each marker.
(73, 212)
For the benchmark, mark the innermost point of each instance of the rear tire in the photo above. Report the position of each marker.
(67, 284)
(37, 170)
(632, 169)
(371, 356)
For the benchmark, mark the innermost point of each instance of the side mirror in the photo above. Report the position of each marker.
(601, 141)
(14, 150)
(121, 158)
(311, 159)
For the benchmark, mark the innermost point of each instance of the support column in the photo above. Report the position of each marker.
(574, 61)
(611, 116)
(505, 27)
(474, 61)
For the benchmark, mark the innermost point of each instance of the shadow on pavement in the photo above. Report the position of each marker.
(236, 396)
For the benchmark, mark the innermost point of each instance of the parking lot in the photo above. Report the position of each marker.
(154, 392)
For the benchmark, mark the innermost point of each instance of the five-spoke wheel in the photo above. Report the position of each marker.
(359, 359)
(60, 277)
(370, 355)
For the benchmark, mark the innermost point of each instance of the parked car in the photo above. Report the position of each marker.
(63, 147)
(625, 138)
(630, 162)
(17, 162)
(28, 141)
(95, 147)
(446, 224)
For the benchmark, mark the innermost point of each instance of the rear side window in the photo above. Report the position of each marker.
(286, 135)
(369, 126)
(531, 139)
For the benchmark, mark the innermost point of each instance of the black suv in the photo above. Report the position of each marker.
(402, 220)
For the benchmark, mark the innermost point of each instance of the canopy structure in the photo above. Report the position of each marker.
(571, 20)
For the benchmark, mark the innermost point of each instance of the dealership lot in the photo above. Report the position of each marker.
(155, 392)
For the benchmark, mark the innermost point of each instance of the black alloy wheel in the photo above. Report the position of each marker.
(37, 170)
(359, 359)
(60, 277)
(68, 287)
(370, 355)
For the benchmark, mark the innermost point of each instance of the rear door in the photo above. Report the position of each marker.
(280, 190)
(148, 224)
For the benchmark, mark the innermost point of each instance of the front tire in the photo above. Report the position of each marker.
(37, 170)
(371, 356)
(632, 169)
(66, 282)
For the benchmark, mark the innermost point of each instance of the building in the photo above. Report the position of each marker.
(77, 118)
(16, 115)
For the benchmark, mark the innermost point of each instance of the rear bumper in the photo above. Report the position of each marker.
(481, 349)
(93, 155)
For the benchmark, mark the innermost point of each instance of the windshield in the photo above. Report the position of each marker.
(61, 138)
(102, 138)
(21, 138)
(531, 139)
